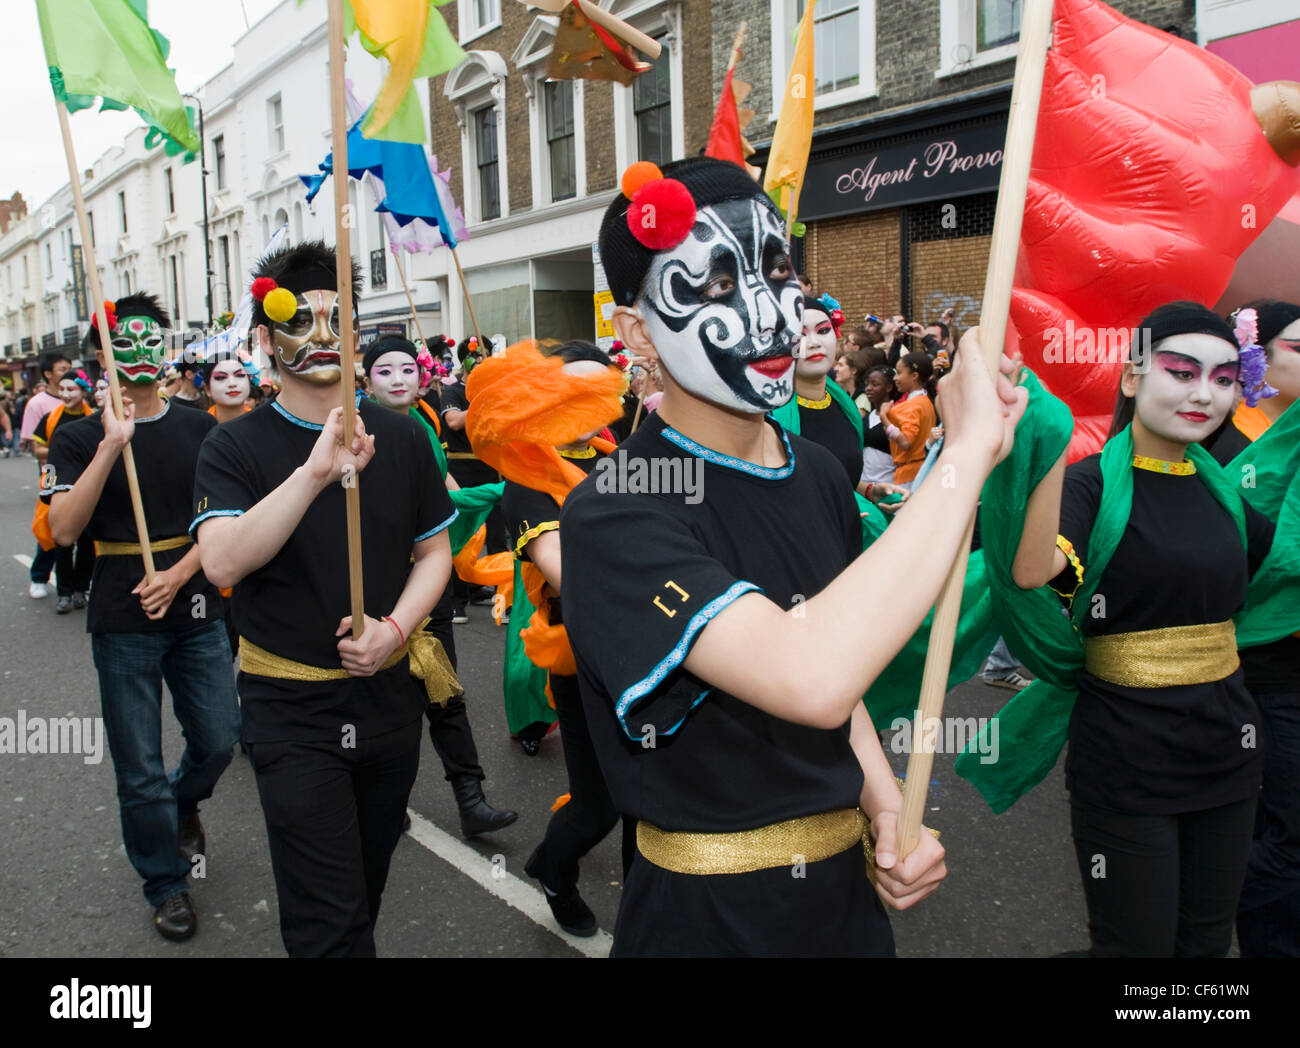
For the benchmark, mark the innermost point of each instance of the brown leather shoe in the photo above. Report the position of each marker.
(175, 919)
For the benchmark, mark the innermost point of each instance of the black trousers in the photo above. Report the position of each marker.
(449, 729)
(73, 566)
(333, 819)
(590, 814)
(1162, 885)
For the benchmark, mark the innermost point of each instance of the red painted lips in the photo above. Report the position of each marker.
(773, 366)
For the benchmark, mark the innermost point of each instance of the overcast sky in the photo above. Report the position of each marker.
(202, 35)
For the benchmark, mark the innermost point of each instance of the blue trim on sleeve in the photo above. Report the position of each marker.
(433, 531)
(294, 418)
(731, 462)
(214, 513)
(674, 658)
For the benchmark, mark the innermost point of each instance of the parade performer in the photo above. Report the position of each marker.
(726, 707)
(1268, 916)
(1163, 766)
(73, 564)
(228, 383)
(40, 404)
(144, 633)
(536, 419)
(332, 723)
(395, 374)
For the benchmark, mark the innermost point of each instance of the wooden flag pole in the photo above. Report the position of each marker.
(468, 301)
(105, 338)
(1035, 33)
(347, 334)
(735, 48)
(397, 261)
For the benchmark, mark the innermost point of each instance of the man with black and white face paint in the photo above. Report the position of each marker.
(740, 642)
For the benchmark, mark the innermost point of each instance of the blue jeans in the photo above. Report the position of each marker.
(1001, 663)
(43, 563)
(196, 664)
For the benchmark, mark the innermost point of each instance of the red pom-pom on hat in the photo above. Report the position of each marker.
(661, 214)
(110, 314)
(262, 287)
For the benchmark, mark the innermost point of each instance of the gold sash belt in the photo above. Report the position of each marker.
(133, 549)
(808, 839)
(1165, 657)
(429, 663)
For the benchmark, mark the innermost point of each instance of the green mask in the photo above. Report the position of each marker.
(138, 349)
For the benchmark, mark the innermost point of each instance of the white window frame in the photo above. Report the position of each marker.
(467, 20)
(785, 21)
(651, 17)
(475, 84)
(957, 40)
(275, 130)
(530, 59)
(1218, 19)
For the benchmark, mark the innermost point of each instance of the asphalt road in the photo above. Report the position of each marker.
(66, 888)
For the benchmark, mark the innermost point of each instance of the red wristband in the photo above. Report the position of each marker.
(401, 637)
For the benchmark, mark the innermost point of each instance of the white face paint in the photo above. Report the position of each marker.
(724, 308)
(395, 380)
(819, 345)
(70, 393)
(101, 392)
(228, 384)
(1284, 362)
(1190, 387)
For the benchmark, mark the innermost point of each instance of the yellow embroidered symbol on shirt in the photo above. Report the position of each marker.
(672, 612)
(204, 504)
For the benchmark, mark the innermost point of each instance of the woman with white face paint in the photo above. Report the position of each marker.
(1268, 916)
(227, 383)
(1151, 548)
(716, 624)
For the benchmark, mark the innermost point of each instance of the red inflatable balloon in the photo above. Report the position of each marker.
(1150, 178)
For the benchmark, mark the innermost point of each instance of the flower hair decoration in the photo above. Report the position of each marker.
(1254, 362)
(425, 359)
(279, 304)
(110, 314)
(833, 311)
(662, 210)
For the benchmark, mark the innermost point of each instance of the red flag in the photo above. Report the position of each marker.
(726, 140)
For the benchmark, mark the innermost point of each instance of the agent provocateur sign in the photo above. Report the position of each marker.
(941, 165)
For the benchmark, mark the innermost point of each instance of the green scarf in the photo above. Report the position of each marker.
(1034, 725)
(523, 683)
(438, 452)
(473, 504)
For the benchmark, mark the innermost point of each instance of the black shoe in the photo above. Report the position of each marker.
(175, 918)
(64, 605)
(458, 616)
(571, 913)
(79, 601)
(476, 814)
(484, 597)
(192, 839)
(530, 738)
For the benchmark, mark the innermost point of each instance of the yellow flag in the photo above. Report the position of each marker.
(787, 160)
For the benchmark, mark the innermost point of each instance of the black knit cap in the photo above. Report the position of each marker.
(626, 259)
(388, 344)
(1274, 317)
(1182, 318)
(308, 266)
(206, 367)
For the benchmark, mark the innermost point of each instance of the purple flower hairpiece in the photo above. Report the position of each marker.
(1254, 362)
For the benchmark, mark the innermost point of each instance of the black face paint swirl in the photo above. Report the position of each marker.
(724, 308)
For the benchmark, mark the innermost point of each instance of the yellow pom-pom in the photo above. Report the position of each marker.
(637, 175)
(280, 305)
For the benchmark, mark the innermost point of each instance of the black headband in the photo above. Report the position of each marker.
(388, 344)
(1183, 318)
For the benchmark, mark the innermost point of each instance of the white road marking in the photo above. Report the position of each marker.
(502, 883)
(23, 559)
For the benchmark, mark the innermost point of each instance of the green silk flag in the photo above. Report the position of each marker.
(473, 505)
(522, 683)
(106, 49)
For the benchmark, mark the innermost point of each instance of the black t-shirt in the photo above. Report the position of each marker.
(644, 573)
(292, 605)
(186, 402)
(42, 434)
(1159, 751)
(529, 513)
(831, 428)
(166, 448)
(469, 472)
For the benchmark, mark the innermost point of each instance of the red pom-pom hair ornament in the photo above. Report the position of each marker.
(262, 287)
(110, 314)
(662, 210)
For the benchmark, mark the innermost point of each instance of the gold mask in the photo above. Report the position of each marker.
(307, 344)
